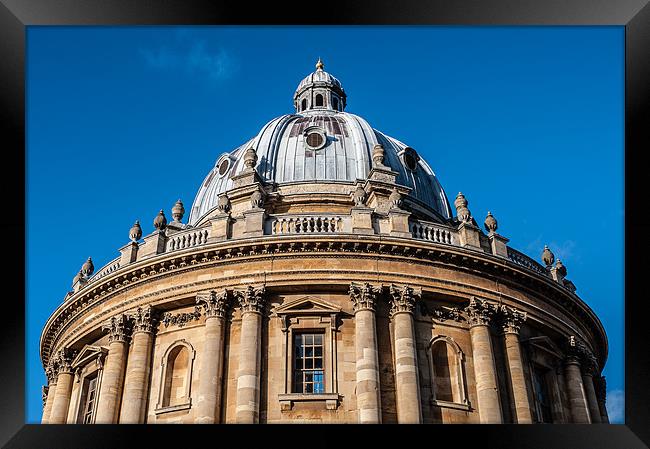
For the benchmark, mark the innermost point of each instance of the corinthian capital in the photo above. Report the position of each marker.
(363, 296)
(511, 319)
(143, 319)
(63, 361)
(403, 299)
(480, 312)
(51, 371)
(214, 304)
(118, 328)
(252, 299)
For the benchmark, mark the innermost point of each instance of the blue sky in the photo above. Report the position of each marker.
(526, 121)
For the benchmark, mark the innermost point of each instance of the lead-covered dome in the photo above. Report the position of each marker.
(321, 143)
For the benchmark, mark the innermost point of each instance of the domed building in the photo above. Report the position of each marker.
(322, 277)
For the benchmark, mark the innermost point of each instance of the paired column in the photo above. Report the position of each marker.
(110, 393)
(208, 404)
(50, 372)
(590, 392)
(136, 382)
(407, 384)
(363, 297)
(575, 390)
(63, 390)
(252, 303)
(480, 313)
(512, 320)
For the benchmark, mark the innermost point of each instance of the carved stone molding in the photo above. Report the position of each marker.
(480, 312)
(181, 319)
(403, 299)
(44, 390)
(447, 313)
(364, 296)
(214, 304)
(118, 328)
(251, 299)
(511, 319)
(144, 319)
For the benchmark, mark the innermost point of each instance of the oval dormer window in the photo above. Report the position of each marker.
(410, 158)
(315, 138)
(223, 166)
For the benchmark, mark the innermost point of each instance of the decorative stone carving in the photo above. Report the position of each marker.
(87, 268)
(144, 319)
(490, 223)
(51, 371)
(511, 319)
(214, 304)
(160, 222)
(462, 212)
(559, 266)
(480, 312)
(447, 313)
(547, 257)
(359, 197)
(395, 199)
(178, 211)
(577, 351)
(364, 296)
(403, 299)
(257, 199)
(135, 233)
(180, 319)
(378, 156)
(252, 299)
(63, 361)
(250, 159)
(44, 390)
(119, 328)
(223, 204)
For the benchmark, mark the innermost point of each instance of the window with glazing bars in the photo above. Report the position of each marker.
(91, 399)
(308, 364)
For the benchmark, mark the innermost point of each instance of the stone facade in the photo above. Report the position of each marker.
(323, 302)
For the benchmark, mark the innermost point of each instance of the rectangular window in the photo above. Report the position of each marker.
(542, 396)
(90, 395)
(308, 364)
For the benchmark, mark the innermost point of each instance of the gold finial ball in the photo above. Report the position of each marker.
(319, 65)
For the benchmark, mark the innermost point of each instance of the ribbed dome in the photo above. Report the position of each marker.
(318, 77)
(343, 155)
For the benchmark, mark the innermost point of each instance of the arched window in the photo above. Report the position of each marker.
(447, 363)
(319, 100)
(303, 105)
(176, 377)
(335, 103)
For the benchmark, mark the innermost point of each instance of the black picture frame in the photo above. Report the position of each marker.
(634, 15)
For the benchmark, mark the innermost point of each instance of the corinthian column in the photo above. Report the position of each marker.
(209, 396)
(512, 320)
(590, 392)
(65, 376)
(252, 303)
(50, 372)
(110, 392)
(407, 384)
(480, 313)
(136, 381)
(363, 297)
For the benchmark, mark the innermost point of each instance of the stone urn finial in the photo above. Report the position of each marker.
(178, 211)
(160, 222)
(378, 155)
(547, 257)
(559, 266)
(359, 197)
(395, 199)
(462, 212)
(257, 199)
(250, 159)
(87, 268)
(223, 204)
(135, 232)
(490, 223)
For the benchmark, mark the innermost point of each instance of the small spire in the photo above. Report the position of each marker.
(319, 64)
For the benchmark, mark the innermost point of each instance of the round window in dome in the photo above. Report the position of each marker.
(315, 138)
(410, 158)
(223, 166)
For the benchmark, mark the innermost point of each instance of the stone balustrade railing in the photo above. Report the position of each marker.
(110, 267)
(188, 239)
(307, 224)
(423, 230)
(525, 261)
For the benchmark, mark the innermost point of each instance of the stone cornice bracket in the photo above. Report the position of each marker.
(364, 296)
(215, 304)
(63, 361)
(251, 299)
(118, 328)
(402, 300)
(144, 319)
(480, 312)
(511, 319)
